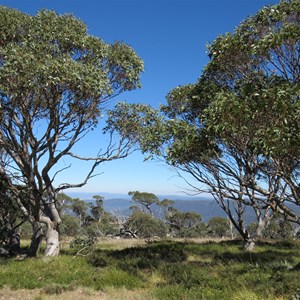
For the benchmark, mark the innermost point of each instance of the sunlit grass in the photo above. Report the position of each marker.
(163, 270)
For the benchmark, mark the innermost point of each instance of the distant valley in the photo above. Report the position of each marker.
(206, 206)
(121, 203)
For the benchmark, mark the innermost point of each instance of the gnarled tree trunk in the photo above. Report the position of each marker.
(52, 220)
(52, 242)
(36, 239)
(14, 244)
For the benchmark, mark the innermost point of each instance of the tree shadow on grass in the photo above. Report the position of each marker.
(163, 252)
(158, 254)
(133, 259)
(258, 258)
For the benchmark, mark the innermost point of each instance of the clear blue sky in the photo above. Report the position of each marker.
(170, 36)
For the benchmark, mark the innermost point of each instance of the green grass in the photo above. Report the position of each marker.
(167, 270)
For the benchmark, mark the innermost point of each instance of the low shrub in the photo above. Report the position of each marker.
(83, 241)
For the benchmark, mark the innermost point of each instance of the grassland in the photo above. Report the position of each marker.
(158, 270)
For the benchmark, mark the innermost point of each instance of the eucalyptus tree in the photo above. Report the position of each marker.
(257, 71)
(144, 225)
(184, 224)
(180, 134)
(97, 209)
(144, 201)
(219, 227)
(235, 133)
(54, 81)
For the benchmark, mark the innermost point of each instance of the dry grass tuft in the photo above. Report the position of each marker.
(78, 294)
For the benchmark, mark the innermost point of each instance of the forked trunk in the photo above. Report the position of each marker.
(52, 242)
(36, 239)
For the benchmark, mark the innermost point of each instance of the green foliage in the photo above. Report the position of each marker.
(218, 227)
(79, 207)
(258, 80)
(185, 224)
(63, 202)
(89, 220)
(10, 216)
(70, 226)
(144, 200)
(82, 242)
(26, 230)
(145, 225)
(54, 81)
(139, 123)
(100, 229)
(97, 210)
(237, 130)
(64, 56)
(279, 228)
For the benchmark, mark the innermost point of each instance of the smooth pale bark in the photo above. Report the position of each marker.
(52, 238)
(52, 242)
(52, 222)
(250, 244)
(260, 227)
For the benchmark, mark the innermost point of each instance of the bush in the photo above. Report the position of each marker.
(98, 229)
(279, 228)
(219, 227)
(70, 226)
(185, 224)
(145, 225)
(82, 242)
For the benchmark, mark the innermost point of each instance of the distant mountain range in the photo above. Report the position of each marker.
(121, 203)
(109, 196)
(206, 206)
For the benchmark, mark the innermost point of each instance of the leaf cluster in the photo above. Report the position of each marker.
(50, 57)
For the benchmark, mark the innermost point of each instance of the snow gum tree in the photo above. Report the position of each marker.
(235, 132)
(256, 71)
(54, 80)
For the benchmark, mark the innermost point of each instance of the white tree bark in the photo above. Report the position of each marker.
(250, 245)
(52, 242)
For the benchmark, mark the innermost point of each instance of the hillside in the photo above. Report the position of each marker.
(208, 208)
(120, 204)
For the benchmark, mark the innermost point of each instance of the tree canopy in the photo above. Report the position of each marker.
(54, 80)
(235, 132)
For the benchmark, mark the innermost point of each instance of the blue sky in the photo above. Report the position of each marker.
(170, 36)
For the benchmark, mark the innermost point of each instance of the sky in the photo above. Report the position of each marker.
(171, 37)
